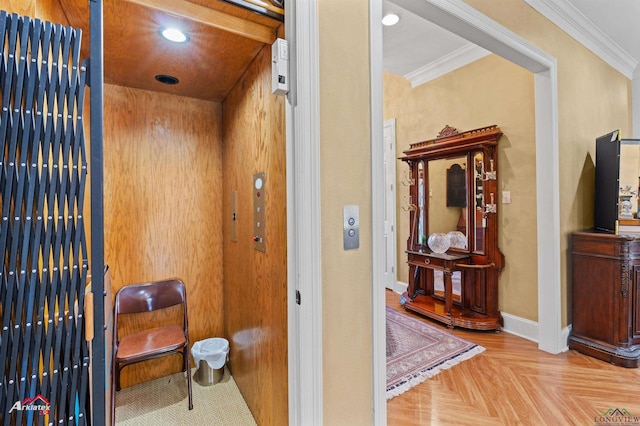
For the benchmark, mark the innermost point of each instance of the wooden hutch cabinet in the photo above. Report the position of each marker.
(452, 207)
(605, 290)
(605, 266)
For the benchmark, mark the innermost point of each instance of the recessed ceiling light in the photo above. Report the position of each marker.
(174, 34)
(390, 19)
(167, 79)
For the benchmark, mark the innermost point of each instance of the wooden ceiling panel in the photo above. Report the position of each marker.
(239, 12)
(207, 66)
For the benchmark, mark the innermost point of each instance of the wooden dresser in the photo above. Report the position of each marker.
(605, 290)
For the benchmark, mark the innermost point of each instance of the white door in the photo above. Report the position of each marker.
(390, 203)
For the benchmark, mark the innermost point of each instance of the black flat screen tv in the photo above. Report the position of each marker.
(605, 212)
(607, 185)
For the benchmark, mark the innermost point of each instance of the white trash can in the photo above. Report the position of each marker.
(210, 356)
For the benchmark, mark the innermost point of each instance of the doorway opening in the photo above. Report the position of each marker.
(461, 19)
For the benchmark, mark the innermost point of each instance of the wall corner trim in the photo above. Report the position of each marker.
(303, 216)
(582, 29)
(452, 61)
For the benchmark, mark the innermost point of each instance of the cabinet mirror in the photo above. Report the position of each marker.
(447, 211)
(444, 205)
(420, 233)
(478, 216)
(628, 185)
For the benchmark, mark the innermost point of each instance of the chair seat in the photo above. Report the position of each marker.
(144, 344)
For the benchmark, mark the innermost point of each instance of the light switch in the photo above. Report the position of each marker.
(506, 197)
(351, 228)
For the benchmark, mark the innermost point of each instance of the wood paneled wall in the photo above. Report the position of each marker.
(21, 7)
(255, 289)
(163, 208)
(47, 10)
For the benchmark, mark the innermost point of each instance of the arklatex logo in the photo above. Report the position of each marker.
(37, 403)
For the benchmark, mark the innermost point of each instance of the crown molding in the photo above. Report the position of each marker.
(457, 59)
(582, 29)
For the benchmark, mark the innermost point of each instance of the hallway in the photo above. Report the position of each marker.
(513, 382)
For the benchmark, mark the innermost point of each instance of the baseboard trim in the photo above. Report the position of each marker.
(515, 325)
(564, 336)
(521, 327)
(400, 287)
(528, 329)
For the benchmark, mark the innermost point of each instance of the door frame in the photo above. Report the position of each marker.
(304, 273)
(390, 279)
(305, 320)
(100, 366)
(465, 21)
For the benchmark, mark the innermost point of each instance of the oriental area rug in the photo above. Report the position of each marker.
(417, 351)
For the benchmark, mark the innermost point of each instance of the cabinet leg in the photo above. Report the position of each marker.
(448, 289)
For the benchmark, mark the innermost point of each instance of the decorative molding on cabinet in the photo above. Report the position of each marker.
(513, 324)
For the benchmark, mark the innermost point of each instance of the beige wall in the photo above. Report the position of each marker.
(593, 99)
(489, 91)
(345, 179)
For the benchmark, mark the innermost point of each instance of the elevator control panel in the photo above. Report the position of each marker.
(259, 228)
(351, 230)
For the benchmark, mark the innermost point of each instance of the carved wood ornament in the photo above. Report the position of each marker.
(447, 131)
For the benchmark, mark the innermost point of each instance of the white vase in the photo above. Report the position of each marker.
(438, 243)
(457, 240)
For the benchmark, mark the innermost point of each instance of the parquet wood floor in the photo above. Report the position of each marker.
(514, 383)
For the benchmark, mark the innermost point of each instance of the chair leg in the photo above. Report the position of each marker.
(185, 361)
(117, 374)
(189, 387)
